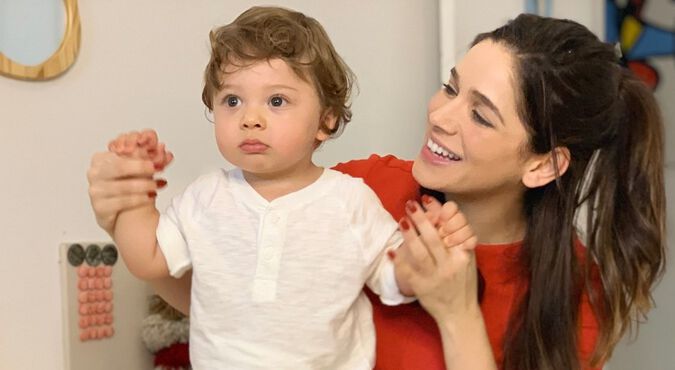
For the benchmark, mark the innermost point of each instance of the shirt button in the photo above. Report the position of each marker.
(268, 255)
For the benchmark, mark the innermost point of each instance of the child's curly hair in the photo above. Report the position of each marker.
(264, 33)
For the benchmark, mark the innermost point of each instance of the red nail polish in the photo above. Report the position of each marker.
(160, 183)
(404, 224)
(426, 199)
(391, 254)
(410, 206)
(152, 194)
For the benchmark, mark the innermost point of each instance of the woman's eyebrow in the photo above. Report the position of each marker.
(487, 102)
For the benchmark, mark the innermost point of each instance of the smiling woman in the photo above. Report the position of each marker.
(58, 62)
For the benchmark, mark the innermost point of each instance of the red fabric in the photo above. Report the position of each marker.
(173, 357)
(407, 337)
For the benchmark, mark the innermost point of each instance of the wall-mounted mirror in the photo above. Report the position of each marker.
(39, 39)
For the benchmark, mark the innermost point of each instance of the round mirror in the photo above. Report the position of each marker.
(39, 39)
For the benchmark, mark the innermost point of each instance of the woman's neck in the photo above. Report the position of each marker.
(495, 219)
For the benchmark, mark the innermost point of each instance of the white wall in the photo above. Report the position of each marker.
(141, 66)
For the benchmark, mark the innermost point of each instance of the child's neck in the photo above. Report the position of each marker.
(276, 185)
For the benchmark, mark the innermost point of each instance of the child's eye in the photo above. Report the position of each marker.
(449, 90)
(277, 101)
(232, 101)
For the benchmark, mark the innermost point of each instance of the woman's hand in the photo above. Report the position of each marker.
(437, 260)
(119, 182)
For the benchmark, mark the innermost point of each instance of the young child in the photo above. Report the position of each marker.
(280, 248)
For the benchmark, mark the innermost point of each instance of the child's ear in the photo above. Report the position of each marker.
(541, 169)
(327, 125)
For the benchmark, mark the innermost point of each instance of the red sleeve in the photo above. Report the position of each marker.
(389, 177)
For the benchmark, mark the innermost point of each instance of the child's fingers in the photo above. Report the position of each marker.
(427, 231)
(458, 237)
(148, 138)
(130, 141)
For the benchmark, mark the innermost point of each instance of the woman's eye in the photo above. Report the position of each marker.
(232, 101)
(449, 90)
(276, 101)
(479, 119)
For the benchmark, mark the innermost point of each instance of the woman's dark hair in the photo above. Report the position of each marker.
(573, 93)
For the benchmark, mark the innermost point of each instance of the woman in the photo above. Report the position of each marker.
(538, 119)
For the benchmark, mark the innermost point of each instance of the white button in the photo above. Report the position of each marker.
(268, 254)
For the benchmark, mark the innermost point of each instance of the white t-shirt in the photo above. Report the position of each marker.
(279, 285)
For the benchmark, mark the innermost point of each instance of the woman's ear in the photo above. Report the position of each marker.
(541, 169)
(326, 126)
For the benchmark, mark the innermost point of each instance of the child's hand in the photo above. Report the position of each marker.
(142, 145)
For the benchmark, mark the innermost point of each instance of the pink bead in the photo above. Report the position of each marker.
(91, 309)
(100, 271)
(93, 334)
(84, 321)
(84, 309)
(84, 335)
(82, 284)
(91, 296)
(100, 319)
(100, 295)
(82, 297)
(98, 283)
(107, 282)
(108, 307)
(102, 307)
(91, 284)
(91, 272)
(108, 318)
(108, 295)
(107, 271)
(82, 271)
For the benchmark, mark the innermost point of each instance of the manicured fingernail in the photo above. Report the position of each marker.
(410, 206)
(404, 224)
(158, 166)
(426, 199)
(152, 194)
(391, 254)
(160, 183)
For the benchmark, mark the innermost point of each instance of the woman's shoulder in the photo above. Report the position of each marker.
(388, 176)
(375, 163)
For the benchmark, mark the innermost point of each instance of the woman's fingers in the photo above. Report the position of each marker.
(108, 166)
(432, 209)
(428, 234)
(413, 249)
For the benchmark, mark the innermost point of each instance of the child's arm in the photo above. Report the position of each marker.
(135, 229)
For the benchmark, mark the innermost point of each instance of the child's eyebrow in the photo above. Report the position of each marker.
(273, 86)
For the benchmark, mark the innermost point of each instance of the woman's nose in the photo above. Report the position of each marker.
(445, 116)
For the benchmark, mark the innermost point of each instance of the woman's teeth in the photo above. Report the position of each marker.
(438, 150)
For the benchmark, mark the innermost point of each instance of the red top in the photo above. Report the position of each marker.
(407, 337)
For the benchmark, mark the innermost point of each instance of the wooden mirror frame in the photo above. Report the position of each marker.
(59, 62)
